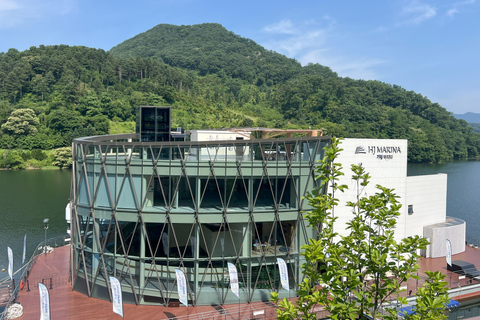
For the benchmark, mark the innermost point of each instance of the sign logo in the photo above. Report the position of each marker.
(381, 152)
(360, 149)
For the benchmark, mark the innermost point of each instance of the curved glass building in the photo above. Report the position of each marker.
(141, 209)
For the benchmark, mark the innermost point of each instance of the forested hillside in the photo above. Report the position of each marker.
(212, 78)
(210, 48)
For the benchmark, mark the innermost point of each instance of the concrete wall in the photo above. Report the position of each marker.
(215, 152)
(216, 135)
(428, 197)
(452, 229)
(386, 161)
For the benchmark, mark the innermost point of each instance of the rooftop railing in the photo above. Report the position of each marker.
(129, 148)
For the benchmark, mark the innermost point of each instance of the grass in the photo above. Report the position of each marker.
(121, 127)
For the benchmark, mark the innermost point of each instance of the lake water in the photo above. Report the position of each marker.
(463, 191)
(28, 197)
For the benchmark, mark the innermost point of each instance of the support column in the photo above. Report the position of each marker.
(95, 254)
(195, 265)
(141, 266)
(288, 147)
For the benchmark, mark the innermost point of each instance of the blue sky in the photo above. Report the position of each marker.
(430, 47)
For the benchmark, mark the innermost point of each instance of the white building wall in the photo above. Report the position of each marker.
(386, 161)
(215, 153)
(215, 135)
(428, 197)
(452, 229)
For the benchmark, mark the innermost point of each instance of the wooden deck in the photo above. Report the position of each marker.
(4, 295)
(68, 304)
(470, 254)
(72, 305)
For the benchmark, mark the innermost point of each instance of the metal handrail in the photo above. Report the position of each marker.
(52, 242)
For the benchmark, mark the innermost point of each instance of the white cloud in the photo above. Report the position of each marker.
(282, 27)
(415, 13)
(452, 12)
(331, 21)
(345, 66)
(381, 29)
(6, 5)
(18, 12)
(309, 43)
(297, 43)
(456, 7)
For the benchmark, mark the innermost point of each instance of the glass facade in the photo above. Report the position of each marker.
(140, 210)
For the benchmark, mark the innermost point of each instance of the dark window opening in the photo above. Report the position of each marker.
(282, 190)
(274, 237)
(187, 192)
(211, 192)
(161, 193)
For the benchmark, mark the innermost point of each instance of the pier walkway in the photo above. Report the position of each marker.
(72, 305)
(53, 270)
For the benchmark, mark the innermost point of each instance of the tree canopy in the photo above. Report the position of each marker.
(212, 78)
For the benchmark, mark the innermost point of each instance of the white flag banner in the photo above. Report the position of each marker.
(10, 263)
(44, 302)
(24, 248)
(181, 287)
(116, 295)
(449, 253)
(282, 266)
(232, 272)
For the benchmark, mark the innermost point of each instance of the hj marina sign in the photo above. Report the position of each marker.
(381, 152)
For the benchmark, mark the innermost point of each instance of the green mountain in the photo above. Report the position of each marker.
(470, 117)
(312, 95)
(211, 49)
(212, 78)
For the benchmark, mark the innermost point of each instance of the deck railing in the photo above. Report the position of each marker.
(27, 267)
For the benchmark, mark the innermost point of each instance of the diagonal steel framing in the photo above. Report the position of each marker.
(154, 159)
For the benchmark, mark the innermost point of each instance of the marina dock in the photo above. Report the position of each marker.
(53, 270)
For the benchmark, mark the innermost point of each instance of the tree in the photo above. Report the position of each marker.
(5, 109)
(12, 159)
(63, 157)
(431, 299)
(352, 276)
(40, 85)
(15, 80)
(21, 122)
(241, 80)
(62, 120)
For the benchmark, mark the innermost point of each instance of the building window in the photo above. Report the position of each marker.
(410, 209)
(273, 238)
